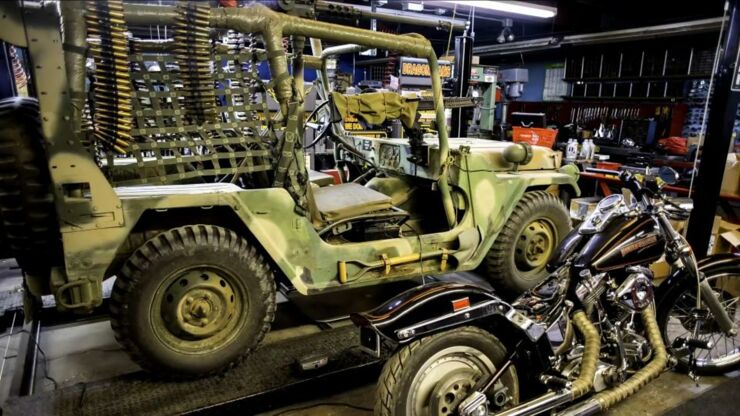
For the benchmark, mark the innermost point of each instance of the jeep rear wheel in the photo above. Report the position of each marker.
(517, 259)
(193, 301)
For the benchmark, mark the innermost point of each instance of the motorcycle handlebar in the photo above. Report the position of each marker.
(631, 182)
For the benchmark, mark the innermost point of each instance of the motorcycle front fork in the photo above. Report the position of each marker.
(715, 307)
(679, 248)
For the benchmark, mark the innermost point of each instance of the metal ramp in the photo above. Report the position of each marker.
(267, 379)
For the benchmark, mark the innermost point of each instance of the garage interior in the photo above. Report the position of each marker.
(613, 89)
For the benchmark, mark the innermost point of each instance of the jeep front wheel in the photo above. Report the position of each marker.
(517, 259)
(193, 301)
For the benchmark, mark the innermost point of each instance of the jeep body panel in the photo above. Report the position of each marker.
(97, 219)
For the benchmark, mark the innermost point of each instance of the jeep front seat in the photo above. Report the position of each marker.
(347, 200)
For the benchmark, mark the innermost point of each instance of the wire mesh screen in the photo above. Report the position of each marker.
(376, 72)
(171, 146)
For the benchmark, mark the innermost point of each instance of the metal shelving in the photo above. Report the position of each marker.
(658, 74)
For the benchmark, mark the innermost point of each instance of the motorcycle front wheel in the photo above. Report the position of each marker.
(678, 317)
(433, 375)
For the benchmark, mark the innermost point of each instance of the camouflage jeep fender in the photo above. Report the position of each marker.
(511, 187)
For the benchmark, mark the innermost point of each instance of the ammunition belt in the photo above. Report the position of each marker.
(112, 86)
(193, 52)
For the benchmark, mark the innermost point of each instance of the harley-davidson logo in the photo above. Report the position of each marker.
(638, 245)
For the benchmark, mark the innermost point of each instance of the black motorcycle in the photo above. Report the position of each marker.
(594, 332)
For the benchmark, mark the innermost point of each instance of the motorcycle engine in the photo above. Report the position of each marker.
(637, 349)
(590, 287)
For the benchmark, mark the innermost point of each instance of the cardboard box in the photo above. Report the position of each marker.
(581, 207)
(679, 225)
(727, 238)
(693, 141)
(731, 178)
(713, 236)
(661, 270)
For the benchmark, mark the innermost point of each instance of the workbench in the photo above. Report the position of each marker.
(607, 179)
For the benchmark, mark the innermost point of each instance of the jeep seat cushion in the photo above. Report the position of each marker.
(348, 200)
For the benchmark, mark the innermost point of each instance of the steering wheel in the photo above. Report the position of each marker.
(320, 122)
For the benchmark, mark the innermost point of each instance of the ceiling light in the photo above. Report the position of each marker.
(515, 7)
(414, 7)
(506, 32)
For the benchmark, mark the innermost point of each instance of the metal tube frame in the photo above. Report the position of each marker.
(389, 15)
(258, 18)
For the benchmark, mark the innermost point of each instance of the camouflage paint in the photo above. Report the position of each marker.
(96, 228)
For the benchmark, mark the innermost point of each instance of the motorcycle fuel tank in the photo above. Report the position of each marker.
(570, 244)
(624, 242)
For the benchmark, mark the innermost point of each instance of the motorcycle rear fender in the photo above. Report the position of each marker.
(717, 263)
(432, 308)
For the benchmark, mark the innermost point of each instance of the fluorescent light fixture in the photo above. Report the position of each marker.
(515, 7)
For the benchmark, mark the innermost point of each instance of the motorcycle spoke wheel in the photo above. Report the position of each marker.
(685, 321)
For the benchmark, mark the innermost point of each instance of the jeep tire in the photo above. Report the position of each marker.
(28, 221)
(517, 259)
(193, 301)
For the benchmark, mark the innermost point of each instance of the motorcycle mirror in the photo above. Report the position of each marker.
(668, 175)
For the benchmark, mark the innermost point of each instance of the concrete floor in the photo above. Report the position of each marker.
(79, 353)
(667, 392)
(85, 353)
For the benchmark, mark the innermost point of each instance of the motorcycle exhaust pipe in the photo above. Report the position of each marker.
(607, 398)
(591, 349)
(567, 339)
(540, 404)
(580, 386)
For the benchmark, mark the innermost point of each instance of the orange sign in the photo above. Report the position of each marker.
(415, 69)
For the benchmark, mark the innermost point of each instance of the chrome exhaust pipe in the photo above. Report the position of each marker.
(580, 386)
(586, 407)
(540, 404)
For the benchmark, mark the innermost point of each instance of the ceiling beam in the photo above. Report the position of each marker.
(626, 35)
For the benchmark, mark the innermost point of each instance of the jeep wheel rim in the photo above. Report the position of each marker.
(534, 245)
(198, 310)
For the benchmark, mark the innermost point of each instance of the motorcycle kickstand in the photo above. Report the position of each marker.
(692, 357)
(692, 367)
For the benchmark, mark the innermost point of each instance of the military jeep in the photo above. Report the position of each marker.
(159, 162)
